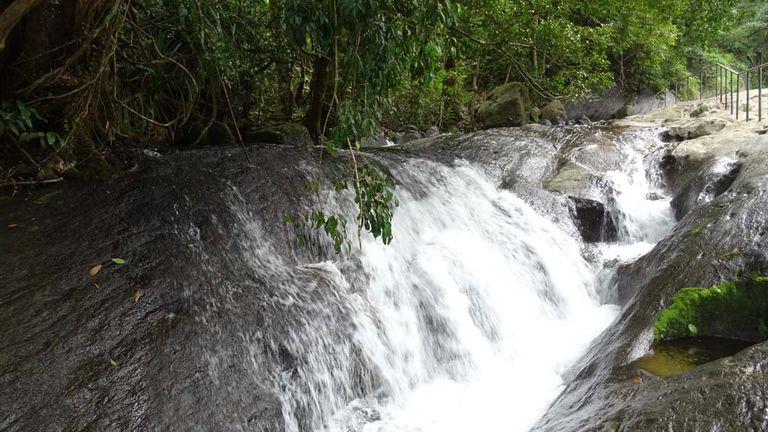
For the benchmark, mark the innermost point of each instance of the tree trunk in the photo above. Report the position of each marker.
(282, 61)
(43, 35)
(318, 88)
(12, 15)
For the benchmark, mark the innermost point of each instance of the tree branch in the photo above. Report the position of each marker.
(12, 15)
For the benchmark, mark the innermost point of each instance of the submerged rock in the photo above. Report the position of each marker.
(187, 333)
(507, 105)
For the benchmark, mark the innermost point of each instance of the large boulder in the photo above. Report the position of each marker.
(507, 105)
(289, 134)
(605, 105)
(554, 112)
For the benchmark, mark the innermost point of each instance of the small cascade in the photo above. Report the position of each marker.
(636, 198)
(469, 318)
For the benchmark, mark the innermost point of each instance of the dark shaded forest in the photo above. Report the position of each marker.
(84, 80)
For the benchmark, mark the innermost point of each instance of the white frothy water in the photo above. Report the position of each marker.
(470, 317)
(483, 303)
(636, 196)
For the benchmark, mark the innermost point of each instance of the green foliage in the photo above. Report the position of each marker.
(181, 60)
(376, 201)
(22, 124)
(334, 226)
(747, 37)
(737, 309)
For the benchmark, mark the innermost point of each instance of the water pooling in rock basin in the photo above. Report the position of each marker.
(465, 322)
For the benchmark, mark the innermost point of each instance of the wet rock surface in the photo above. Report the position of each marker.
(156, 343)
(722, 235)
(593, 220)
(188, 333)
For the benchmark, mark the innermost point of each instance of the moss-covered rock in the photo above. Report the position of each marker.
(554, 112)
(290, 134)
(737, 310)
(506, 105)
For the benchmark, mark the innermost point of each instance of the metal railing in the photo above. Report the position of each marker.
(726, 85)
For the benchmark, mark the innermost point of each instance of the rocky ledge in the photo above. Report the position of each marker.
(720, 181)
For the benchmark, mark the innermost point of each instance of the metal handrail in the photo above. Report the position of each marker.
(722, 79)
(764, 65)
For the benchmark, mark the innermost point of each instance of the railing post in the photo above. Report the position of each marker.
(719, 83)
(729, 84)
(760, 96)
(731, 74)
(738, 89)
(747, 83)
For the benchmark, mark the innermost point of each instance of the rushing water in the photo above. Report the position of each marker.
(469, 318)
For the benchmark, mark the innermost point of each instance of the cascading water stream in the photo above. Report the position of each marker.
(469, 318)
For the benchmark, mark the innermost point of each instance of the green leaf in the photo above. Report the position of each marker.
(51, 138)
(113, 362)
(693, 329)
(118, 261)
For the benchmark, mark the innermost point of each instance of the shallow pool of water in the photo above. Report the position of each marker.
(677, 356)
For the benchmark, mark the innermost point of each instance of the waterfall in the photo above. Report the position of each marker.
(465, 322)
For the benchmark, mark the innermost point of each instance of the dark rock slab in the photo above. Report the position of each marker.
(593, 220)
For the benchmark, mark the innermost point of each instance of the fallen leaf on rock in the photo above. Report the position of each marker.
(95, 270)
(113, 362)
(743, 370)
(118, 261)
(13, 225)
(637, 381)
(137, 295)
(96, 285)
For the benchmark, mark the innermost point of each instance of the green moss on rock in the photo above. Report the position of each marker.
(507, 105)
(736, 310)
